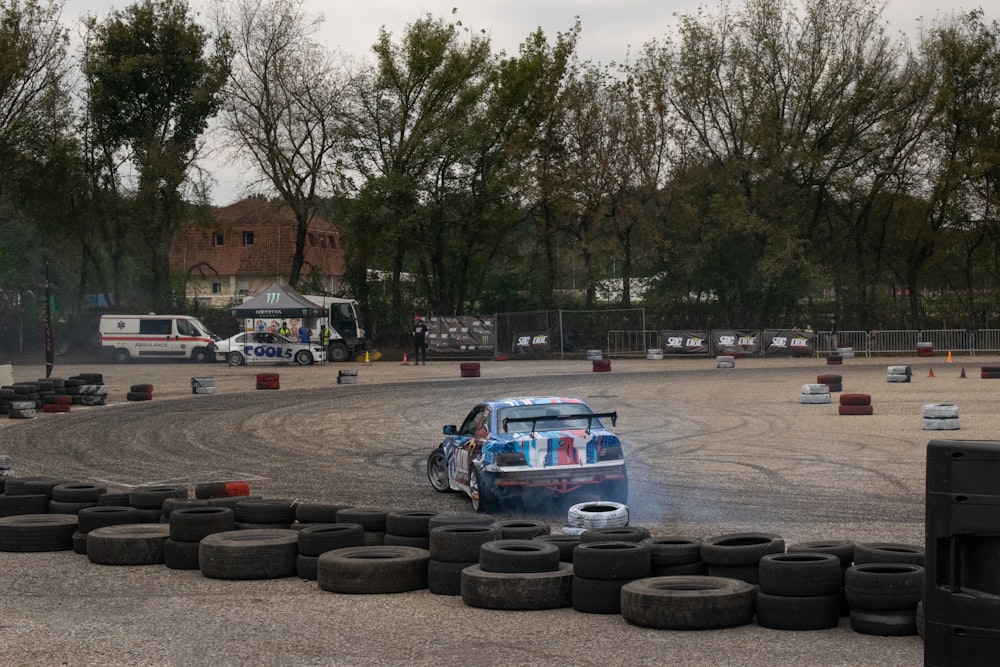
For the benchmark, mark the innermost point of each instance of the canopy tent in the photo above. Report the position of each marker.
(277, 301)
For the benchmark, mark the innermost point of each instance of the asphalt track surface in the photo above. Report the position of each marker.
(709, 451)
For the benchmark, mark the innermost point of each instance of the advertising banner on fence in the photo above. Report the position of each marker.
(788, 343)
(531, 344)
(736, 343)
(460, 334)
(684, 342)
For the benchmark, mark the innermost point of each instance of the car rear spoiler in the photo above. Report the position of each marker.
(590, 417)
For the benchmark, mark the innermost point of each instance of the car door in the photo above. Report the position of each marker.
(460, 448)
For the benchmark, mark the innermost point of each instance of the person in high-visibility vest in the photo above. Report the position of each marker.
(324, 336)
(284, 330)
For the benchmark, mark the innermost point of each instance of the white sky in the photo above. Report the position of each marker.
(610, 28)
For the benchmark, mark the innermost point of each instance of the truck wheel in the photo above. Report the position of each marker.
(122, 356)
(338, 352)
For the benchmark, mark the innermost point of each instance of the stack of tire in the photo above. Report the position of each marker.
(844, 552)
(884, 587)
(57, 403)
(738, 555)
(203, 385)
(687, 603)
(23, 400)
(268, 381)
(52, 392)
(372, 520)
(317, 538)
(18, 498)
(452, 549)
(898, 374)
(832, 380)
(347, 377)
(725, 361)
(595, 514)
(468, 369)
(989, 372)
(815, 394)
(565, 543)
(139, 392)
(654, 354)
(674, 556)
(264, 514)
(6, 393)
(834, 359)
(601, 365)
(209, 490)
(93, 391)
(940, 417)
(188, 527)
(925, 349)
(71, 497)
(799, 591)
(521, 529)
(21, 409)
(149, 500)
(409, 528)
(601, 569)
(99, 516)
(855, 404)
(72, 388)
(517, 574)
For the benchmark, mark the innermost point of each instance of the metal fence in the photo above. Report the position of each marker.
(957, 341)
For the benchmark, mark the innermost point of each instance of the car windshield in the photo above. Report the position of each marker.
(544, 410)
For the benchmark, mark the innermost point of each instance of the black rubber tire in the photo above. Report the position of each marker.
(78, 492)
(150, 516)
(139, 396)
(517, 591)
(150, 498)
(180, 555)
(45, 485)
(437, 471)
(747, 573)
(37, 532)
(460, 543)
(670, 550)
(57, 507)
(92, 518)
(322, 537)
(307, 567)
(375, 569)
(687, 603)
(406, 541)
(888, 552)
(80, 543)
(372, 520)
(597, 596)
(192, 524)
(272, 511)
(249, 554)
(699, 569)
(230, 501)
(565, 544)
(459, 519)
(513, 555)
(116, 499)
(15, 505)
(141, 388)
(235, 359)
(740, 548)
(318, 512)
(780, 612)
(445, 578)
(338, 353)
(884, 586)
(800, 574)
(611, 560)
(521, 529)
(171, 504)
(128, 544)
(412, 523)
(615, 534)
(484, 498)
(17, 486)
(842, 549)
(884, 623)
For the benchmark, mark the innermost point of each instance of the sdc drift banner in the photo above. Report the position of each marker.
(684, 342)
(460, 334)
(788, 343)
(736, 343)
(531, 344)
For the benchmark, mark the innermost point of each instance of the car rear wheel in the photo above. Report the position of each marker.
(483, 492)
(303, 357)
(235, 359)
(437, 471)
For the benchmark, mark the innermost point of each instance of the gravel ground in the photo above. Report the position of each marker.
(710, 452)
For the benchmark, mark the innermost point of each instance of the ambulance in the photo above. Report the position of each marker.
(126, 338)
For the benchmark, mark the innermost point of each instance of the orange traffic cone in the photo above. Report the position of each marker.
(963, 372)
(931, 374)
(405, 362)
(949, 356)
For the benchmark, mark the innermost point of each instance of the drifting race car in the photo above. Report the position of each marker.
(266, 347)
(527, 448)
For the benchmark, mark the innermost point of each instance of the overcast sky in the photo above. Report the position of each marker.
(610, 28)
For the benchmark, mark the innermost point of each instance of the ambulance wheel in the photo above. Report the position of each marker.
(235, 359)
(338, 352)
(200, 355)
(303, 357)
(122, 356)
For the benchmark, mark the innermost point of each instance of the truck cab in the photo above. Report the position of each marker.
(347, 336)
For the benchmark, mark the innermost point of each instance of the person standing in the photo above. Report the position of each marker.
(419, 335)
(284, 330)
(304, 334)
(324, 339)
(834, 343)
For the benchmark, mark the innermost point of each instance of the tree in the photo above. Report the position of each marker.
(153, 86)
(283, 106)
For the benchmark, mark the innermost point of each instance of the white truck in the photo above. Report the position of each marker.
(347, 336)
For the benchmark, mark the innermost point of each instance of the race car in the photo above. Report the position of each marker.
(529, 448)
(266, 347)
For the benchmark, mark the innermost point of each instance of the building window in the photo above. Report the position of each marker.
(247, 238)
(216, 288)
(217, 238)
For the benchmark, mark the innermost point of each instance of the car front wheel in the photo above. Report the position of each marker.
(483, 492)
(437, 471)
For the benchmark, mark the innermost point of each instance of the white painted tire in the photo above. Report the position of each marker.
(815, 399)
(815, 389)
(940, 411)
(594, 355)
(896, 370)
(895, 377)
(598, 514)
(952, 424)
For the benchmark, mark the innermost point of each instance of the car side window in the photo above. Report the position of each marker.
(472, 421)
(481, 427)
